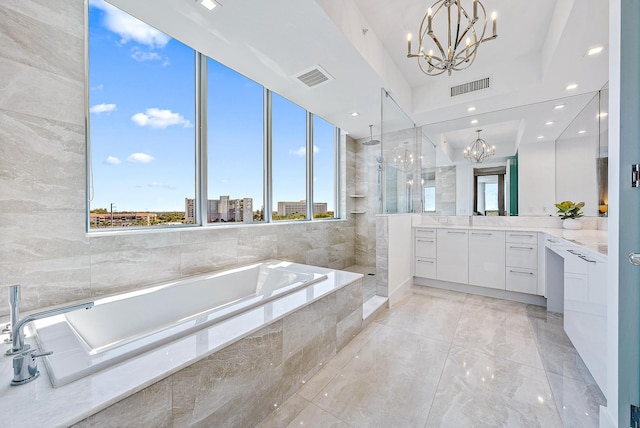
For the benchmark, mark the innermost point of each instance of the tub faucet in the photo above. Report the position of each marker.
(17, 326)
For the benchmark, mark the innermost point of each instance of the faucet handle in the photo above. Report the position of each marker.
(25, 371)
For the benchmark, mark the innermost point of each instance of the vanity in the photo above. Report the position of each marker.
(560, 269)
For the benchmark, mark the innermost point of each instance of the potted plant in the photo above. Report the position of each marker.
(570, 212)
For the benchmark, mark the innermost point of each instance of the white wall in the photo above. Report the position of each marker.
(576, 173)
(536, 178)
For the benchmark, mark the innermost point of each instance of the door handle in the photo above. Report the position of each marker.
(634, 259)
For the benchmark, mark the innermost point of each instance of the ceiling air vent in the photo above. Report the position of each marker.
(314, 76)
(465, 88)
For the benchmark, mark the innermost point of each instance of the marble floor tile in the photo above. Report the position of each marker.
(578, 402)
(446, 359)
(481, 390)
(389, 383)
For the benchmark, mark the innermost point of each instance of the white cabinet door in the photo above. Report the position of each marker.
(453, 255)
(522, 280)
(425, 268)
(487, 258)
(426, 247)
(522, 255)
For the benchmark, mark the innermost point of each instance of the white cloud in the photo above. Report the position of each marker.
(112, 160)
(159, 119)
(303, 151)
(130, 28)
(160, 185)
(141, 56)
(103, 108)
(140, 158)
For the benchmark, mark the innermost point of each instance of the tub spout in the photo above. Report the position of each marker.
(17, 327)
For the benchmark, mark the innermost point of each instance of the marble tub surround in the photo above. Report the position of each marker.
(373, 381)
(301, 332)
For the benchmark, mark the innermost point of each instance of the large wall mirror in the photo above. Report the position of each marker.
(548, 152)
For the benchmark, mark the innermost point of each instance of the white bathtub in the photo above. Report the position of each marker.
(120, 327)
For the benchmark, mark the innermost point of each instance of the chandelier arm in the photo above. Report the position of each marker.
(457, 39)
(437, 42)
(430, 73)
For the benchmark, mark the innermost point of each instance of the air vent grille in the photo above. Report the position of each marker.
(314, 76)
(465, 88)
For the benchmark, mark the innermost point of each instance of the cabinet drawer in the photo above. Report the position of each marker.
(522, 280)
(522, 255)
(453, 255)
(426, 233)
(426, 247)
(425, 268)
(522, 237)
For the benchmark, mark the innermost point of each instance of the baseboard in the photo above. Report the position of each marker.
(399, 292)
(530, 299)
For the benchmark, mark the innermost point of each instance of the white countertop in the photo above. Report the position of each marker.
(595, 241)
(39, 404)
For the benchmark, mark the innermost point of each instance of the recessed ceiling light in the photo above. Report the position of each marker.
(355, 113)
(550, 122)
(558, 107)
(474, 121)
(571, 86)
(472, 108)
(595, 50)
(209, 4)
(540, 137)
(582, 131)
(603, 114)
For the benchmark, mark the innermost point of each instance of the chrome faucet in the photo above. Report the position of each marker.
(24, 371)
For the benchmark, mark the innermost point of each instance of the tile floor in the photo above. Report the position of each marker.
(447, 359)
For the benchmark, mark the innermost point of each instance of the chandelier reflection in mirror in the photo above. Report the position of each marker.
(457, 49)
(403, 159)
(478, 151)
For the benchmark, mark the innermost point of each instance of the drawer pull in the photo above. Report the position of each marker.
(520, 248)
(521, 272)
(575, 253)
(456, 233)
(586, 259)
(426, 240)
(425, 261)
(522, 234)
(482, 233)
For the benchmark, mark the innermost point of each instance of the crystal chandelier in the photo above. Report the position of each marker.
(462, 38)
(478, 151)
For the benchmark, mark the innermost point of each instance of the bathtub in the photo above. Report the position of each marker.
(120, 327)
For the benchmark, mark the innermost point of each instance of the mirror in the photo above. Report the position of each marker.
(537, 172)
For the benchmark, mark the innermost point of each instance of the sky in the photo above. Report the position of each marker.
(142, 100)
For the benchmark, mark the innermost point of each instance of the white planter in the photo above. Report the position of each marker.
(572, 223)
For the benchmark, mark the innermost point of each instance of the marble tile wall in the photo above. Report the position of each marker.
(45, 247)
(240, 385)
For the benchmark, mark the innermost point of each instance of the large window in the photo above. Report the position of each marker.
(142, 101)
(324, 168)
(235, 146)
(149, 166)
(289, 148)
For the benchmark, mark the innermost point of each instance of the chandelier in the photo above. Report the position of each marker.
(462, 38)
(478, 151)
(402, 158)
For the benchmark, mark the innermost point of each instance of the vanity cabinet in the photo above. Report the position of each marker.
(487, 258)
(452, 262)
(522, 262)
(425, 253)
(585, 309)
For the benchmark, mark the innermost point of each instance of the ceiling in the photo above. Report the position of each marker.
(540, 49)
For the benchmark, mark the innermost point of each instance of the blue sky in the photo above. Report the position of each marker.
(142, 125)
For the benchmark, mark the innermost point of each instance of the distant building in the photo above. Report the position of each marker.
(122, 219)
(288, 208)
(224, 209)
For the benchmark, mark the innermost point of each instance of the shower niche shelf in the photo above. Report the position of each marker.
(357, 196)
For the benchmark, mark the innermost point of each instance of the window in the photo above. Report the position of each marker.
(324, 168)
(144, 144)
(235, 135)
(142, 102)
(289, 150)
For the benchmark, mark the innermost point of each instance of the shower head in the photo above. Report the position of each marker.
(371, 141)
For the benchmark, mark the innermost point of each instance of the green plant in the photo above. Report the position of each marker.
(568, 209)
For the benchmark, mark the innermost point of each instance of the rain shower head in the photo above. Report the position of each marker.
(371, 141)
